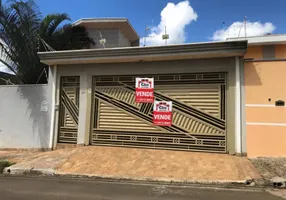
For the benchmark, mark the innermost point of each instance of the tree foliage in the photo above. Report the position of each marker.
(22, 26)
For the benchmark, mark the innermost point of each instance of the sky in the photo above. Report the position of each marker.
(186, 21)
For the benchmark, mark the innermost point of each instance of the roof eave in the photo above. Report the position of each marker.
(139, 58)
(262, 40)
(142, 54)
(266, 43)
(85, 21)
(90, 20)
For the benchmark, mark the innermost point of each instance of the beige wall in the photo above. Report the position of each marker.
(122, 40)
(265, 83)
(114, 38)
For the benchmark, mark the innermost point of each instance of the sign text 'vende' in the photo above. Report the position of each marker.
(144, 90)
(162, 113)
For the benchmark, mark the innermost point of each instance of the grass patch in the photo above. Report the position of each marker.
(3, 164)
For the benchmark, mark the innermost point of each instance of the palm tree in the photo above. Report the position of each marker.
(19, 25)
(22, 26)
(67, 37)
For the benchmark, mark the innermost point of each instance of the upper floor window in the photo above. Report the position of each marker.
(268, 52)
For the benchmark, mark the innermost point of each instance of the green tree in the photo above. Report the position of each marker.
(22, 26)
(67, 37)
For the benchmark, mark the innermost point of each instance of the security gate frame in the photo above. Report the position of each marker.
(69, 109)
(118, 121)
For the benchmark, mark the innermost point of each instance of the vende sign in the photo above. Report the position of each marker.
(144, 90)
(162, 113)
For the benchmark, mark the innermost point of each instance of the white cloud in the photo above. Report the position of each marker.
(237, 30)
(2, 68)
(175, 17)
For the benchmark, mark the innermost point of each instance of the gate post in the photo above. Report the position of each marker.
(84, 109)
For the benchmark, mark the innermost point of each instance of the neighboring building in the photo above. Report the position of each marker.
(265, 94)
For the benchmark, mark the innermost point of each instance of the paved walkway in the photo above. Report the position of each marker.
(143, 164)
(15, 156)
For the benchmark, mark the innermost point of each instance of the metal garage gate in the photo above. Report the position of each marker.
(69, 109)
(198, 112)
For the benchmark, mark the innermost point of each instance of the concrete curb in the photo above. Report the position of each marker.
(166, 180)
(28, 171)
(212, 183)
(259, 183)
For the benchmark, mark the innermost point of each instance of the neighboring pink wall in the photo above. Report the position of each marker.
(265, 82)
(280, 51)
(266, 141)
(254, 52)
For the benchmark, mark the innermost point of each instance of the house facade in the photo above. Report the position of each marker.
(94, 93)
(228, 97)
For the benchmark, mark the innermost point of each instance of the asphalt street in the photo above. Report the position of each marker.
(27, 188)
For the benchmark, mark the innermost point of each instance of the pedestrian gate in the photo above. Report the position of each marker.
(69, 109)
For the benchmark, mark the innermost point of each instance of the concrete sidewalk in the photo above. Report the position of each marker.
(140, 164)
(15, 155)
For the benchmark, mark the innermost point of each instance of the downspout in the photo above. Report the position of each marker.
(243, 109)
(238, 135)
(53, 114)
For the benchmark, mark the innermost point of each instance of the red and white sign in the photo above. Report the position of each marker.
(144, 90)
(162, 113)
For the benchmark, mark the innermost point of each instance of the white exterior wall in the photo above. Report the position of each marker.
(24, 120)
